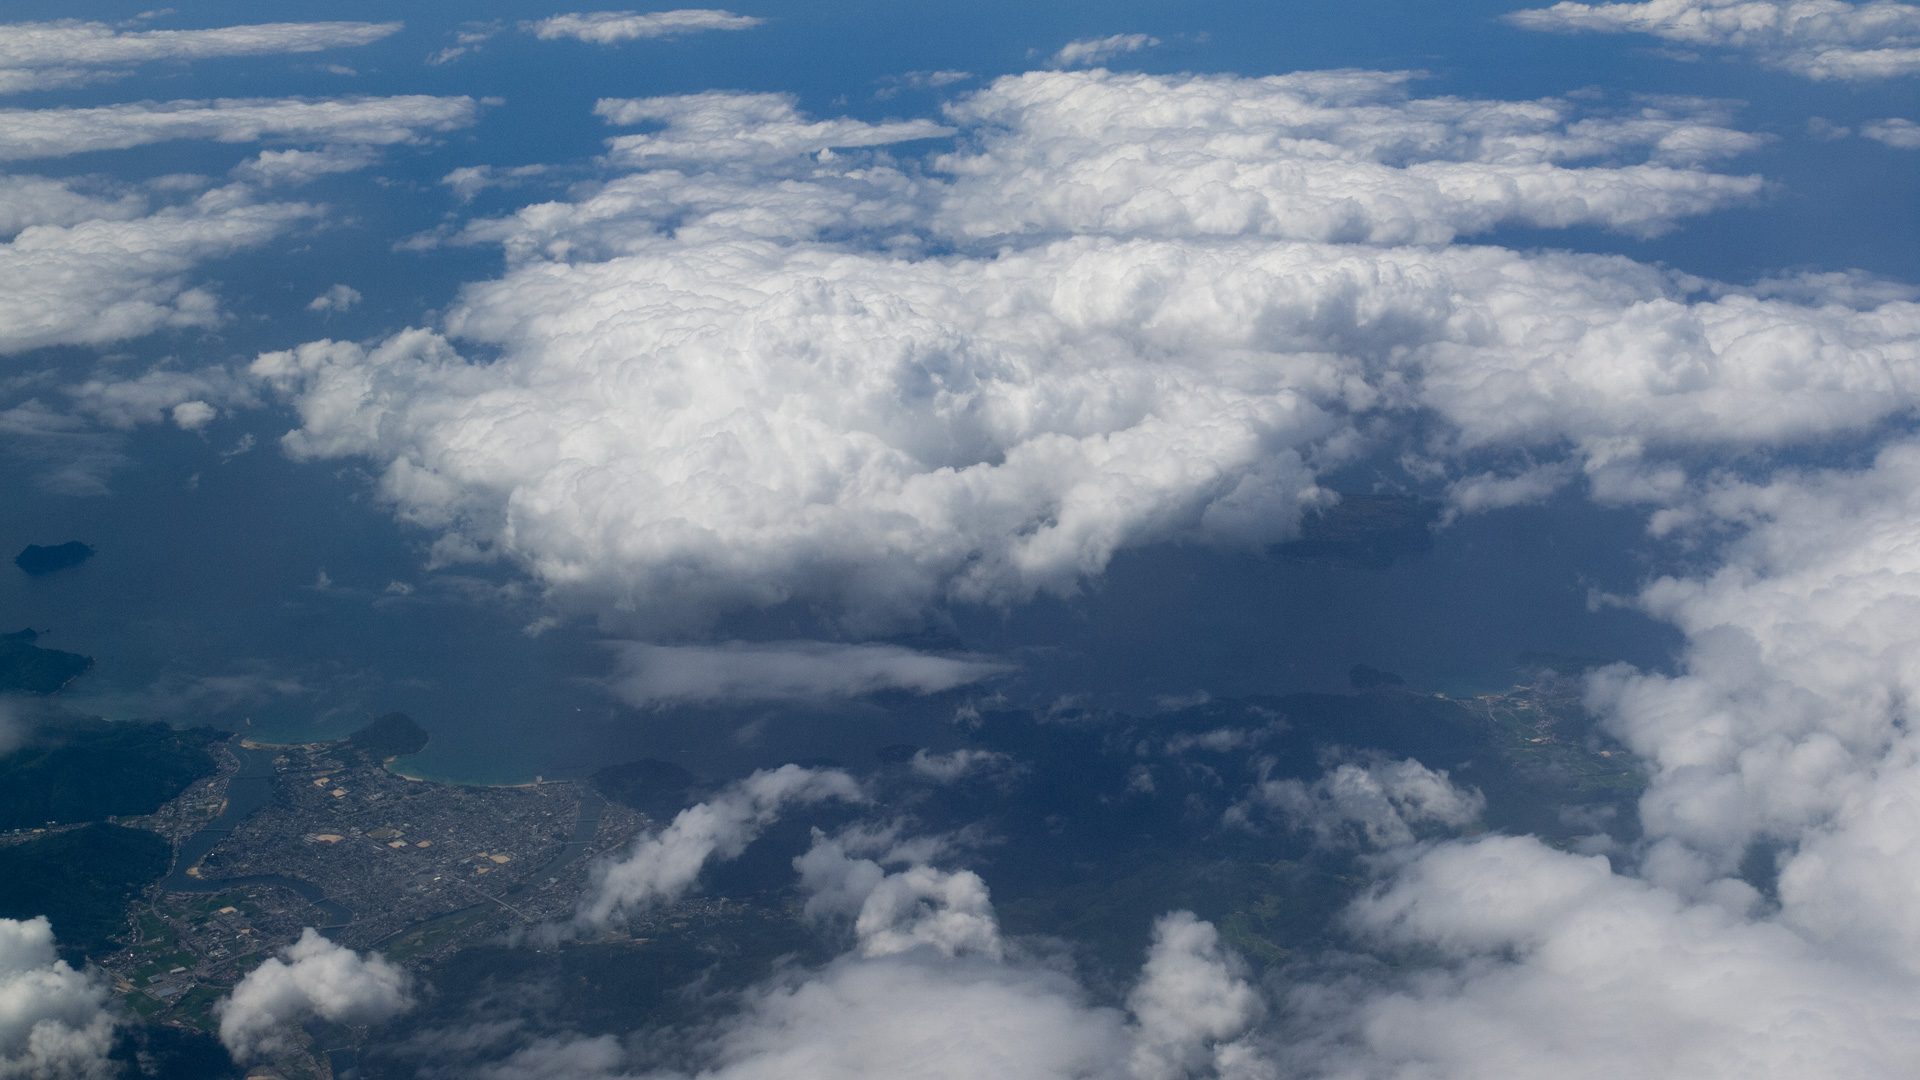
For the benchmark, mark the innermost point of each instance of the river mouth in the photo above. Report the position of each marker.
(248, 790)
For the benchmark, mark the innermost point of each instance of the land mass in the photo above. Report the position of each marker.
(82, 880)
(90, 770)
(28, 668)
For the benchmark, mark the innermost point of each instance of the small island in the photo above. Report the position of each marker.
(38, 560)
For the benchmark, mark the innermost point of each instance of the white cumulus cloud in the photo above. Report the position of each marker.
(723, 126)
(1557, 965)
(1377, 805)
(613, 27)
(374, 121)
(1819, 39)
(917, 906)
(313, 977)
(662, 867)
(37, 200)
(1086, 52)
(1340, 155)
(701, 403)
(336, 298)
(1893, 131)
(103, 280)
(1192, 1005)
(291, 167)
(54, 1021)
(69, 52)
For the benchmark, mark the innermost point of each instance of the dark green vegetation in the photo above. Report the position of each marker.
(82, 880)
(88, 770)
(37, 560)
(658, 789)
(1366, 530)
(391, 736)
(26, 667)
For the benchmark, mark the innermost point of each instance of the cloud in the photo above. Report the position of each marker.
(1191, 1006)
(1786, 723)
(156, 395)
(663, 866)
(467, 39)
(337, 298)
(814, 671)
(919, 80)
(916, 1015)
(54, 1021)
(724, 126)
(473, 179)
(104, 280)
(1765, 925)
(291, 167)
(613, 27)
(731, 381)
(313, 977)
(193, 415)
(1086, 52)
(70, 52)
(1378, 805)
(374, 121)
(36, 200)
(1489, 491)
(1555, 964)
(922, 1013)
(1330, 156)
(1817, 39)
(877, 434)
(1895, 132)
(912, 908)
(959, 764)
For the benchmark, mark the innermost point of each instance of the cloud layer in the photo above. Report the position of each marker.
(69, 52)
(732, 381)
(373, 121)
(1818, 39)
(104, 280)
(613, 27)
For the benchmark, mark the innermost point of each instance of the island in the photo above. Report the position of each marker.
(38, 560)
